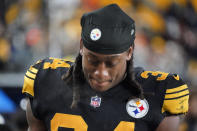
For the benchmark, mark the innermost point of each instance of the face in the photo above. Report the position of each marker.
(104, 71)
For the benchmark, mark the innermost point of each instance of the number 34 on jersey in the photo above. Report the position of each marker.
(78, 124)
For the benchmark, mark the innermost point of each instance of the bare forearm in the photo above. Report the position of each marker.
(34, 124)
(169, 124)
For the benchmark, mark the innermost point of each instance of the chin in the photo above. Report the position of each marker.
(100, 88)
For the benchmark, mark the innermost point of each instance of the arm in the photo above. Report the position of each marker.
(170, 123)
(34, 124)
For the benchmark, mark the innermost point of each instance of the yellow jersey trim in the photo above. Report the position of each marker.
(176, 106)
(177, 89)
(32, 69)
(179, 94)
(176, 100)
(28, 86)
(31, 75)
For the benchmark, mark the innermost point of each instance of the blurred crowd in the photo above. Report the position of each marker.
(166, 36)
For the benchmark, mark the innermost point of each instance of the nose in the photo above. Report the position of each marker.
(101, 73)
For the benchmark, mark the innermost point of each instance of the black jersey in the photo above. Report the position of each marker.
(51, 98)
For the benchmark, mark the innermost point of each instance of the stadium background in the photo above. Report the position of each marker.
(30, 30)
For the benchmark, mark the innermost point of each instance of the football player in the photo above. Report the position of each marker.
(101, 91)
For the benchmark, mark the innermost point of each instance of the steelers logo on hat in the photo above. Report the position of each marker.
(95, 34)
(137, 108)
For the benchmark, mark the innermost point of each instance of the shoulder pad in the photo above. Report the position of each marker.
(45, 64)
(176, 95)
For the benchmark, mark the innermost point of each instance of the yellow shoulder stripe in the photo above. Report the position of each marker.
(29, 78)
(178, 94)
(176, 106)
(28, 86)
(32, 69)
(31, 75)
(177, 89)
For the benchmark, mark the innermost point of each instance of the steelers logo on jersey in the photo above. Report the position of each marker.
(95, 34)
(137, 108)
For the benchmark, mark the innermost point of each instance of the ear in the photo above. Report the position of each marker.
(130, 53)
(81, 47)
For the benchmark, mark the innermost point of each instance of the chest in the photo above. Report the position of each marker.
(111, 115)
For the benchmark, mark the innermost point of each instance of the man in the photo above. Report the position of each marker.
(101, 91)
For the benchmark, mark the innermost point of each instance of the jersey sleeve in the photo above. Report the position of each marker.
(170, 90)
(30, 78)
(176, 96)
(39, 70)
(41, 79)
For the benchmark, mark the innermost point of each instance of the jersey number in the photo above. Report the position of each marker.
(56, 63)
(160, 75)
(78, 124)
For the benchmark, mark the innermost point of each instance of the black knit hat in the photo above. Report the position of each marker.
(108, 30)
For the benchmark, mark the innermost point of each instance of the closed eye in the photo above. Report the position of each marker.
(93, 62)
(111, 64)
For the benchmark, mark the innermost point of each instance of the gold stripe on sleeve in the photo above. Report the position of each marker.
(34, 70)
(29, 74)
(28, 86)
(177, 89)
(176, 106)
(178, 94)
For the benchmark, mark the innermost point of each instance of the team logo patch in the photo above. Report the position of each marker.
(95, 34)
(137, 108)
(95, 101)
